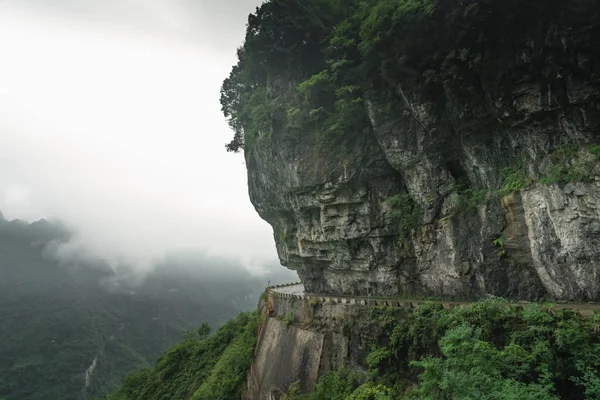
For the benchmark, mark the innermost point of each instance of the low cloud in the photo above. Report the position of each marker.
(118, 131)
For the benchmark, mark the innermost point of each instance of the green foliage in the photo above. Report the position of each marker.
(572, 163)
(406, 211)
(294, 392)
(499, 243)
(491, 349)
(283, 44)
(375, 357)
(486, 350)
(204, 331)
(204, 369)
(334, 52)
(473, 368)
(470, 199)
(282, 236)
(371, 391)
(337, 385)
(514, 179)
(568, 163)
(289, 318)
(316, 88)
(56, 318)
(595, 150)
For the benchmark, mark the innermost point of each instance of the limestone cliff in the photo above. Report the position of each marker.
(489, 184)
(333, 224)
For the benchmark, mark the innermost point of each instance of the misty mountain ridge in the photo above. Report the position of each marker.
(63, 316)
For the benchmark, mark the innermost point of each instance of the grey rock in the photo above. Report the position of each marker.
(332, 222)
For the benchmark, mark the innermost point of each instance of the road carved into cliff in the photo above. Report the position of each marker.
(296, 290)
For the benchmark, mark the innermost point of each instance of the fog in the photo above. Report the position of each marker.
(110, 121)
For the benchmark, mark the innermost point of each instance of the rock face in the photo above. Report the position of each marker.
(334, 224)
(285, 355)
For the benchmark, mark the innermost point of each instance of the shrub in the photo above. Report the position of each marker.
(595, 150)
(407, 213)
(469, 199)
(514, 179)
(571, 163)
(289, 318)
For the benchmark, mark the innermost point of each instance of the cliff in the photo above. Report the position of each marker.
(403, 149)
(426, 148)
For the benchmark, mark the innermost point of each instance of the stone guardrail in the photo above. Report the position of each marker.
(284, 285)
(271, 290)
(584, 309)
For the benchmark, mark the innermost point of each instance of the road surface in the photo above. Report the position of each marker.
(586, 309)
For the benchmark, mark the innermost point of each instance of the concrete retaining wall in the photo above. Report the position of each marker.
(284, 355)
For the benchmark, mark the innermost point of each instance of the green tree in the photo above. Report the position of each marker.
(204, 331)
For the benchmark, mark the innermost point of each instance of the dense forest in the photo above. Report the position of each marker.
(61, 319)
(311, 65)
(484, 351)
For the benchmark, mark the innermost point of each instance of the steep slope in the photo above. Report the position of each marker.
(425, 147)
(201, 368)
(73, 330)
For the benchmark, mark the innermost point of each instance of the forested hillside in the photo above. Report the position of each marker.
(308, 65)
(61, 319)
(199, 368)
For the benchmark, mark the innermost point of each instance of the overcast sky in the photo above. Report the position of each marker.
(110, 120)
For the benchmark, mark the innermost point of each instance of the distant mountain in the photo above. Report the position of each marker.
(72, 330)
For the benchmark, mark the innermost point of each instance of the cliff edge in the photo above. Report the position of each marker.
(421, 148)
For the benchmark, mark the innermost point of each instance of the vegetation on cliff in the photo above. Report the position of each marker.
(488, 350)
(199, 368)
(439, 111)
(309, 64)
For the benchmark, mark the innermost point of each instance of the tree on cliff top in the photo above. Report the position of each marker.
(332, 51)
(283, 36)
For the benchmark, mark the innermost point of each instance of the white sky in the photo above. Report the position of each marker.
(110, 120)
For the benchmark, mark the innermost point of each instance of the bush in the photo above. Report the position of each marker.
(289, 318)
(595, 150)
(406, 212)
(571, 163)
(515, 179)
(337, 385)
